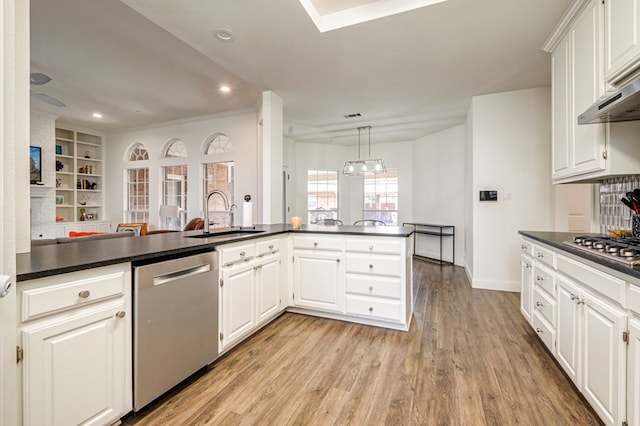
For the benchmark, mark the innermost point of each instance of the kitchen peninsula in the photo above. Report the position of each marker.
(75, 302)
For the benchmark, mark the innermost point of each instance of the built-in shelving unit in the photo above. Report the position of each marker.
(79, 178)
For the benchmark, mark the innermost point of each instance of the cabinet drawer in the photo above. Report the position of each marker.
(318, 243)
(374, 308)
(544, 255)
(241, 253)
(634, 298)
(374, 286)
(374, 264)
(544, 279)
(603, 283)
(544, 331)
(38, 302)
(526, 247)
(388, 246)
(267, 247)
(545, 306)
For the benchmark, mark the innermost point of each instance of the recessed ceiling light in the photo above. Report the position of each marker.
(223, 34)
(225, 89)
(97, 115)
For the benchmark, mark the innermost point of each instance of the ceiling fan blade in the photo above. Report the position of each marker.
(38, 78)
(48, 99)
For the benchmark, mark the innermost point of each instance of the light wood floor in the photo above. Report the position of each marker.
(469, 358)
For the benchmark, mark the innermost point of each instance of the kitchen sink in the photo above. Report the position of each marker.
(238, 232)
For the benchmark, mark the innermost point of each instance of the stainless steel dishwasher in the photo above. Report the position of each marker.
(175, 322)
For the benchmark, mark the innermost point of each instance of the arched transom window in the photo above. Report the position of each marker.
(138, 153)
(218, 143)
(175, 148)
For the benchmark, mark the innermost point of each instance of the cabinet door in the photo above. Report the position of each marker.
(622, 45)
(633, 375)
(75, 369)
(568, 328)
(588, 142)
(604, 359)
(561, 109)
(319, 280)
(267, 286)
(526, 291)
(237, 303)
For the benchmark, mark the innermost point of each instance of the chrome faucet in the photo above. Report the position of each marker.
(227, 209)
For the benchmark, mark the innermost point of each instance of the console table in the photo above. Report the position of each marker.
(440, 231)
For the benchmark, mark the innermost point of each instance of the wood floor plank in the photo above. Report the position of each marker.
(469, 358)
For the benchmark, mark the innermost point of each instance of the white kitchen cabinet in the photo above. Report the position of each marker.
(603, 358)
(577, 83)
(568, 328)
(268, 288)
(319, 280)
(76, 340)
(251, 282)
(526, 291)
(237, 291)
(63, 228)
(633, 373)
(622, 38)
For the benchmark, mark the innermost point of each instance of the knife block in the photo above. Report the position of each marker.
(635, 225)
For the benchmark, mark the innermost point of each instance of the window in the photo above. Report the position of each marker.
(381, 197)
(137, 195)
(174, 192)
(219, 176)
(175, 149)
(137, 181)
(322, 195)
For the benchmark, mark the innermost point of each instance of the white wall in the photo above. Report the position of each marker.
(468, 194)
(311, 156)
(240, 127)
(511, 136)
(438, 189)
(271, 147)
(43, 209)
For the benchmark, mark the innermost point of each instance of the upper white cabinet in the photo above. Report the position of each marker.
(587, 152)
(622, 38)
(577, 83)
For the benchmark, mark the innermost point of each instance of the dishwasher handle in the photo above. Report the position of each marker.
(181, 274)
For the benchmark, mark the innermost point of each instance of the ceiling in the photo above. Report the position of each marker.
(140, 62)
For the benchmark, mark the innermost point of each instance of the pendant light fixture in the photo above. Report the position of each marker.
(359, 166)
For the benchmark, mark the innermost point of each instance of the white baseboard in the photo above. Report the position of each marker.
(512, 286)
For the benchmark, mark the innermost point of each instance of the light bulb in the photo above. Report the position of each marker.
(364, 167)
(350, 168)
(378, 167)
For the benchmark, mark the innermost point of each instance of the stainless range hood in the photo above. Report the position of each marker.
(623, 105)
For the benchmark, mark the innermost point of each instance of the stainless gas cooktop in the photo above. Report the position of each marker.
(621, 249)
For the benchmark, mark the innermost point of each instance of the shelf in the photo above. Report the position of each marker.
(64, 140)
(93, 206)
(86, 175)
(64, 189)
(64, 206)
(70, 157)
(97, 160)
(97, 145)
(439, 231)
(89, 190)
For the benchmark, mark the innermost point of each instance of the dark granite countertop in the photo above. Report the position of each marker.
(55, 259)
(556, 240)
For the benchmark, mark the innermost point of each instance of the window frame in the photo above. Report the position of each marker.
(377, 213)
(321, 212)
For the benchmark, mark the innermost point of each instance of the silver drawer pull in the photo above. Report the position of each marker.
(539, 330)
(270, 246)
(539, 278)
(338, 260)
(370, 309)
(539, 304)
(540, 255)
(120, 314)
(315, 244)
(574, 297)
(242, 253)
(370, 266)
(84, 294)
(370, 288)
(371, 247)
(526, 265)
(523, 247)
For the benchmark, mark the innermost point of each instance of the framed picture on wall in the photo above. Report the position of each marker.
(35, 159)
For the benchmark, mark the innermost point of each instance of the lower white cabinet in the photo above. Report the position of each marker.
(251, 287)
(319, 280)
(237, 302)
(633, 373)
(526, 292)
(77, 352)
(568, 337)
